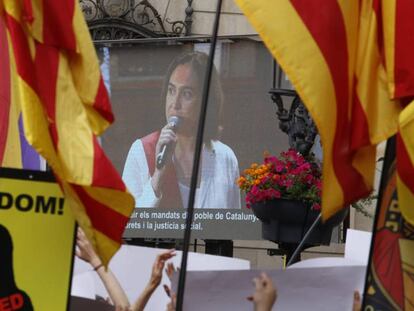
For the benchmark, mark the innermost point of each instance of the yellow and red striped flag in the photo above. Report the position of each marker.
(398, 46)
(370, 39)
(398, 33)
(351, 63)
(405, 163)
(9, 113)
(15, 152)
(330, 51)
(57, 82)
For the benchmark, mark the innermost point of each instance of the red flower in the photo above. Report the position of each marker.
(316, 207)
(308, 179)
(289, 176)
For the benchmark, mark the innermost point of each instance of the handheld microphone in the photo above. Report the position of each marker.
(174, 123)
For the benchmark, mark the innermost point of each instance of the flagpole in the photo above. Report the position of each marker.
(304, 239)
(390, 153)
(196, 164)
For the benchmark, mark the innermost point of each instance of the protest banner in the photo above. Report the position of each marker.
(37, 233)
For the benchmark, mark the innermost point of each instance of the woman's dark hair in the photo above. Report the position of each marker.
(198, 62)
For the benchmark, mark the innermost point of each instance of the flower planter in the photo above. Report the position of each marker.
(287, 221)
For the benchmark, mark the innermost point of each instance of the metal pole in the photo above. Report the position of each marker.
(197, 154)
(274, 73)
(304, 239)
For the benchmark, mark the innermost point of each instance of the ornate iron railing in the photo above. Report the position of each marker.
(131, 19)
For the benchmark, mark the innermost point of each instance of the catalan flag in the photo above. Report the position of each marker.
(55, 78)
(405, 163)
(398, 36)
(350, 63)
(15, 152)
(398, 44)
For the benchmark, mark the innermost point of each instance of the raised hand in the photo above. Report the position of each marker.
(171, 305)
(85, 249)
(170, 270)
(158, 267)
(356, 306)
(265, 293)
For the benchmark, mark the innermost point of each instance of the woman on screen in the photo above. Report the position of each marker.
(158, 167)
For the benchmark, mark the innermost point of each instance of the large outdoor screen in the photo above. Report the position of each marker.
(156, 92)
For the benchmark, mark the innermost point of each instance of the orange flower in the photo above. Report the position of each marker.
(241, 180)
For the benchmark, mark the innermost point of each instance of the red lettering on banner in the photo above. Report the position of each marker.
(12, 302)
(4, 304)
(16, 301)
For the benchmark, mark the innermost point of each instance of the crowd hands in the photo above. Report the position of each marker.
(263, 297)
(117, 296)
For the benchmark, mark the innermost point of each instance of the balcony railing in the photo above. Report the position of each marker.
(132, 19)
